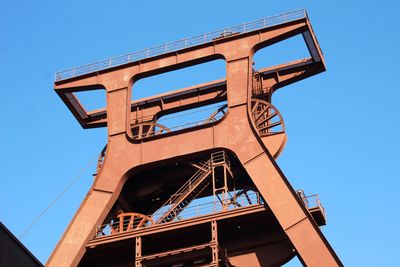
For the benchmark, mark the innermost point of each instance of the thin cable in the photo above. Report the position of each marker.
(76, 178)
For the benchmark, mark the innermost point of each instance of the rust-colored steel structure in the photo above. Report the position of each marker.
(208, 193)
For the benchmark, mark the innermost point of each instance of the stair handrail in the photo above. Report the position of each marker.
(181, 196)
(193, 181)
(205, 168)
(216, 157)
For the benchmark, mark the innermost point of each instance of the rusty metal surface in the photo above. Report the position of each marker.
(276, 77)
(246, 131)
(217, 216)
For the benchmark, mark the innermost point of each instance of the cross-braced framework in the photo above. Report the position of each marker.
(207, 192)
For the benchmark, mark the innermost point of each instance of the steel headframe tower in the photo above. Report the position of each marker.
(208, 193)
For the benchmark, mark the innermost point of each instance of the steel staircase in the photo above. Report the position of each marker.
(186, 194)
(191, 189)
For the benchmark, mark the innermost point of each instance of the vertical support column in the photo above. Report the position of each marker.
(121, 223)
(238, 81)
(214, 243)
(225, 194)
(214, 188)
(117, 110)
(299, 226)
(138, 251)
(224, 190)
(71, 248)
(217, 190)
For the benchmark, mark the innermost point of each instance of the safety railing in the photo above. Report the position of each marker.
(196, 210)
(220, 157)
(311, 202)
(250, 199)
(181, 44)
(177, 128)
(315, 203)
(303, 197)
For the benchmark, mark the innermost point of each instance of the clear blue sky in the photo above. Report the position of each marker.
(342, 125)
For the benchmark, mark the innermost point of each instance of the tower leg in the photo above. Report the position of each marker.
(92, 210)
(299, 226)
